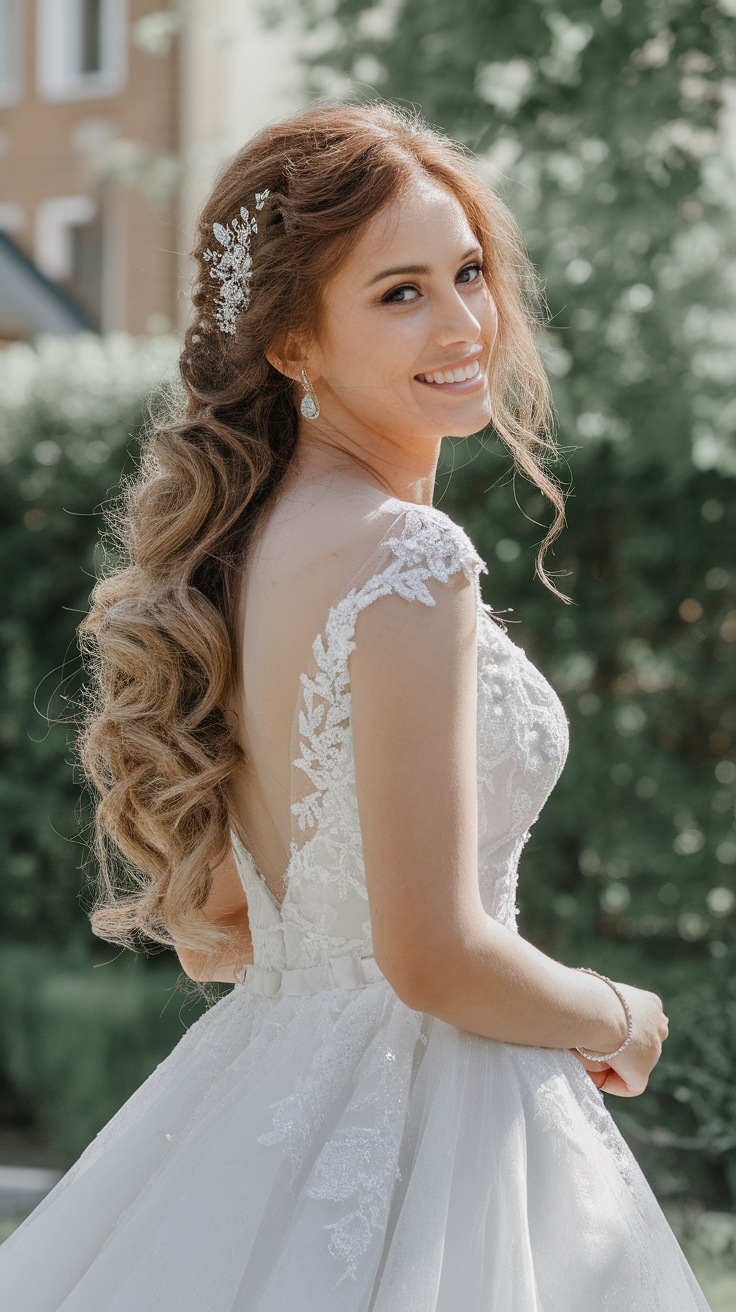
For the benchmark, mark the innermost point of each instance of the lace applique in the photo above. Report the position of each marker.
(357, 1167)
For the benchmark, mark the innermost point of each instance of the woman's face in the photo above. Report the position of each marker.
(409, 326)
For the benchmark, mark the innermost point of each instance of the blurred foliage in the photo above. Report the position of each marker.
(68, 412)
(76, 1036)
(76, 1040)
(599, 125)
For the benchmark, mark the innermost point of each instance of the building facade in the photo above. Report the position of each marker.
(114, 117)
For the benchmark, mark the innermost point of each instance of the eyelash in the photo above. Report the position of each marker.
(408, 286)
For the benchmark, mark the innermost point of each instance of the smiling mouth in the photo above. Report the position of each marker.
(449, 377)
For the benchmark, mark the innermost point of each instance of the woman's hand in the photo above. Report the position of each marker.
(628, 1074)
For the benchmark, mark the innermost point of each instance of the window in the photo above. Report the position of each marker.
(81, 48)
(90, 36)
(69, 250)
(10, 52)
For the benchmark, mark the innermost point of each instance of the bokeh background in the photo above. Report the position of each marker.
(610, 129)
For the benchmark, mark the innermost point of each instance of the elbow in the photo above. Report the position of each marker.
(420, 988)
(192, 964)
(186, 964)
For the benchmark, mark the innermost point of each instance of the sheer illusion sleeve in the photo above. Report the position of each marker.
(386, 720)
(413, 679)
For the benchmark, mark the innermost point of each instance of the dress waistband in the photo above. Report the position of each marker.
(340, 973)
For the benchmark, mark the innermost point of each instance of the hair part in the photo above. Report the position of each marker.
(158, 745)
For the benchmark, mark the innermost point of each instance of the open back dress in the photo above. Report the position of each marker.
(314, 1145)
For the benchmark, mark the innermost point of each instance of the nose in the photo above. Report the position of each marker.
(456, 324)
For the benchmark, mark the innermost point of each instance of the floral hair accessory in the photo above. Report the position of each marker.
(233, 267)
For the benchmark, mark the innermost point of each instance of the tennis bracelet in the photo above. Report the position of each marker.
(591, 1056)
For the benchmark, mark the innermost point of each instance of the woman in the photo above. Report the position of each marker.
(319, 755)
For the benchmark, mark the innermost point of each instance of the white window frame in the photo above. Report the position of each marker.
(11, 86)
(11, 216)
(55, 219)
(57, 46)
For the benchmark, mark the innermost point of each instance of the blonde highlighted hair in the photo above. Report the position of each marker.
(158, 745)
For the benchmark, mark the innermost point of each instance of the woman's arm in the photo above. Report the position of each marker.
(413, 679)
(227, 907)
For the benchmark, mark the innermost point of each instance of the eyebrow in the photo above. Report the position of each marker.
(415, 268)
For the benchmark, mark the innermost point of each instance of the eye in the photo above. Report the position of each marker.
(471, 273)
(400, 295)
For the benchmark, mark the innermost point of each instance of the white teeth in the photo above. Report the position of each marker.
(451, 375)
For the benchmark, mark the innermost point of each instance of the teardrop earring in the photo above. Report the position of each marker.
(310, 405)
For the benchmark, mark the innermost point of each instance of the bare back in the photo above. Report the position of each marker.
(321, 531)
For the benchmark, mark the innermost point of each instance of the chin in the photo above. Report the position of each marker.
(467, 426)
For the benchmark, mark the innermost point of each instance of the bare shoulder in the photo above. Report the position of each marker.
(326, 531)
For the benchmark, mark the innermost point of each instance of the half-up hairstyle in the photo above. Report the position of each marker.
(158, 746)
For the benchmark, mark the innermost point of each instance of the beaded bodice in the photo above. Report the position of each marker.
(521, 747)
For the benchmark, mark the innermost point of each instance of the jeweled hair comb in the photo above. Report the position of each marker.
(233, 268)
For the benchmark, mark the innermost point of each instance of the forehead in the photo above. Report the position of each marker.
(421, 224)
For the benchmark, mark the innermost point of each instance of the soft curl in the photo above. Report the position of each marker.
(159, 745)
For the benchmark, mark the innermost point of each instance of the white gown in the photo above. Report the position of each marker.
(312, 1144)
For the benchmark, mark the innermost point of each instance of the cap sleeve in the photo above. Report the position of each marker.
(423, 544)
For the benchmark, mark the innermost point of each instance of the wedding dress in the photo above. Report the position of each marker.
(312, 1144)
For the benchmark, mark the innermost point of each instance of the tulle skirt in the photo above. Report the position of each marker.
(341, 1153)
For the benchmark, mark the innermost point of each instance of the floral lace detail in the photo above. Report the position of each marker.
(522, 743)
(522, 746)
(358, 1164)
(325, 911)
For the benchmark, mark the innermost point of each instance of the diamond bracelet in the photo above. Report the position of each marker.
(589, 1056)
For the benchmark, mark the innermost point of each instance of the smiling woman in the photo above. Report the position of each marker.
(319, 755)
(403, 355)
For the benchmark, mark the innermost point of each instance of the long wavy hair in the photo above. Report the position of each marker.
(158, 744)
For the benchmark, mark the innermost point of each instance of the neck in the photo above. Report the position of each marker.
(404, 470)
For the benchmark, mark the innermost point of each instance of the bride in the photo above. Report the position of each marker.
(318, 755)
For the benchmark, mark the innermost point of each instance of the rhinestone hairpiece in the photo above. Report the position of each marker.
(233, 267)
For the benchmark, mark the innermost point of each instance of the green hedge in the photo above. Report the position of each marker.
(76, 1035)
(77, 1038)
(70, 413)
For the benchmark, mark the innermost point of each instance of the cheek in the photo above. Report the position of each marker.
(364, 351)
(490, 321)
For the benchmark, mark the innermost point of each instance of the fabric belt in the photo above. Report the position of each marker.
(339, 973)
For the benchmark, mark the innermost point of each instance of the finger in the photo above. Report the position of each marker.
(599, 1078)
(615, 1084)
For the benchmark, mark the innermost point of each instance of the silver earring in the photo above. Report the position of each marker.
(310, 405)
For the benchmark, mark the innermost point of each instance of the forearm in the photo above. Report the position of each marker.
(490, 981)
